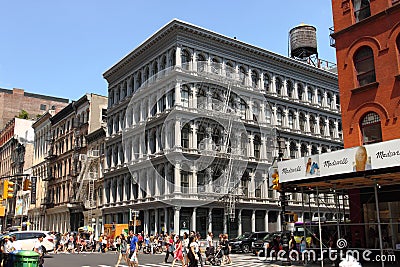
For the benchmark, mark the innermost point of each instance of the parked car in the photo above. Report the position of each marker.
(259, 246)
(243, 242)
(27, 239)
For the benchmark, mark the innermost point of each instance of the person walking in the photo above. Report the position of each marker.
(178, 253)
(123, 250)
(38, 248)
(192, 252)
(185, 247)
(133, 247)
(169, 245)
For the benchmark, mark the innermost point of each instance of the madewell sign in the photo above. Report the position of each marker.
(368, 157)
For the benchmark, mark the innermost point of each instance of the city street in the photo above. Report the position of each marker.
(110, 259)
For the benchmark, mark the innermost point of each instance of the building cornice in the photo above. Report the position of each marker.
(178, 25)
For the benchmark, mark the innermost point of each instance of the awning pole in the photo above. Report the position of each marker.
(303, 217)
(379, 221)
(320, 230)
(337, 204)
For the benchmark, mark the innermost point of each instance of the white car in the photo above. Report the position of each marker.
(27, 239)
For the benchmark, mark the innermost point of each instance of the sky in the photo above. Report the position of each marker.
(62, 48)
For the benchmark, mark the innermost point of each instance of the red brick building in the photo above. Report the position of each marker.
(367, 38)
(15, 100)
(367, 41)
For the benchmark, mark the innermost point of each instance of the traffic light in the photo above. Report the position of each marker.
(275, 181)
(8, 189)
(27, 185)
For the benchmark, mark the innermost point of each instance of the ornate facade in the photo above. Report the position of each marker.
(187, 103)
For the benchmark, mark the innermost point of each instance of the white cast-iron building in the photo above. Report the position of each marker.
(191, 116)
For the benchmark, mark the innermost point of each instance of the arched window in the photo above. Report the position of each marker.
(257, 146)
(172, 59)
(201, 135)
(201, 63)
(304, 150)
(300, 91)
(242, 75)
(321, 125)
(331, 127)
(267, 81)
(290, 119)
(163, 64)
(364, 65)
(243, 143)
(229, 70)
(293, 149)
(361, 9)
(185, 96)
(371, 128)
(154, 69)
(254, 78)
(185, 58)
(278, 85)
(289, 86)
(279, 116)
(185, 136)
(319, 97)
(314, 150)
(302, 122)
(312, 124)
(215, 66)
(146, 74)
(310, 92)
(329, 99)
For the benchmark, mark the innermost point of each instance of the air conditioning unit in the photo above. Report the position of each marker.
(82, 157)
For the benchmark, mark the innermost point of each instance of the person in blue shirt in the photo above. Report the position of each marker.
(133, 257)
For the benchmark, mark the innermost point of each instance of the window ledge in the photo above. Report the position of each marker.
(366, 87)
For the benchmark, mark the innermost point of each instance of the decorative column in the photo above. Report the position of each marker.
(317, 129)
(307, 124)
(326, 128)
(193, 136)
(336, 130)
(210, 220)
(178, 93)
(296, 125)
(285, 118)
(266, 226)
(177, 176)
(253, 221)
(156, 221)
(295, 91)
(166, 221)
(284, 89)
(262, 115)
(146, 221)
(274, 120)
(193, 181)
(194, 97)
(225, 222)
(240, 222)
(178, 57)
(298, 153)
(194, 216)
(273, 87)
(177, 131)
(278, 221)
(250, 110)
(250, 150)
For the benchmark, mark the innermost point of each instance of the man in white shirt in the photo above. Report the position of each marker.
(39, 249)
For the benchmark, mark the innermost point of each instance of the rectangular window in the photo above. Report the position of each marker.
(43, 107)
(185, 182)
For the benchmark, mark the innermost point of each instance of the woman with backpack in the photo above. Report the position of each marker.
(123, 250)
